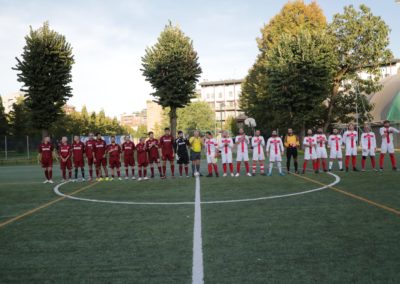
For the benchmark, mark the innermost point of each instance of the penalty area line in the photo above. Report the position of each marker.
(34, 210)
(355, 196)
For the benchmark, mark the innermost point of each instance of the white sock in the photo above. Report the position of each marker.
(340, 165)
(280, 167)
(270, 167)
(330, 165)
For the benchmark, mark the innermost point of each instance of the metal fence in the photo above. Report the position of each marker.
(19, 148)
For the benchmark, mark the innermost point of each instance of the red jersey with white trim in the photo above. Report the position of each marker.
(78, 149)
(114, 151)
(128, 147)
(89, 148)
(46, 149)
(100, 148)
(141, 153)
(152, 147)
(65, 150)
(167, 144)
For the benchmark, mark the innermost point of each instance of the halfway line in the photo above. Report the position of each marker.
(30, 212)
(197, 268)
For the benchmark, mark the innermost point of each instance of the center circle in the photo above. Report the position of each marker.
(59, 193)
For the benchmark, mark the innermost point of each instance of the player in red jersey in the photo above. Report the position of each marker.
(114, 157)
(167, 151)
(152, 146)
(46, 159)
(65, 153)
(128, 149)
(78, 149)
(142, 159)
(100, 157)
(89, 151)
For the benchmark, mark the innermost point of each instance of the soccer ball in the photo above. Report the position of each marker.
(196, 174)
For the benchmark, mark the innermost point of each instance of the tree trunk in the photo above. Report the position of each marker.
(328, 121)
(172, 121)
(45, 132)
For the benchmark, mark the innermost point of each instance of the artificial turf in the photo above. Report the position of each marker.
(320, 237)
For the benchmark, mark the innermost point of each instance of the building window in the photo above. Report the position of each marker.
(220, 95)
(230, 94)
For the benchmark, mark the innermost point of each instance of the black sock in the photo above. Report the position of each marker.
(76, 173)
(83, 172)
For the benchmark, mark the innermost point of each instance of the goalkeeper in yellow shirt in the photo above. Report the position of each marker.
(291, 143)
(196, 143)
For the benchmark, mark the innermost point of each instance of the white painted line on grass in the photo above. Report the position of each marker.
(58, 192)
(197, 268)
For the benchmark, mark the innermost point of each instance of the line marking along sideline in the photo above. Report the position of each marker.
(355, 196)
(30, 212)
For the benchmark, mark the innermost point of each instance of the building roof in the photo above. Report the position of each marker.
(387, 101)
(221, 82)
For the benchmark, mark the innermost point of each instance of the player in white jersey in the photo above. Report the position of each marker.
(258, 144)
(350, 138)
(242, 154)
(225, 147)
(310, 152)
(322, 154)
(368, 146)
(274, 152)
(335, 142)
(387, 144)
(211, 147)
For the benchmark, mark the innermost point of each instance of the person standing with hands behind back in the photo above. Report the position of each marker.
(291, 144)
(196, 142)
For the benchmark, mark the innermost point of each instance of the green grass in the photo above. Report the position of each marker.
(321, 237)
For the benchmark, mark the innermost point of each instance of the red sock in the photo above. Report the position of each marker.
(172, 169)
(46, 174)
(231, 167)
(224, 167)
(363, 162)
(262, 167)
(246, 163)
(180, 170)
(381, 159)
(152, 171)
(305, 165)
(393, 160)
(209, 166)
(354, 161)
(238, 167)
(69, 173)
(118, 173)
(145, 172)
(254, 167)
(187, 170)
(324, 164)
(126, 172)
(159, 171)
(91, 173)
(64, 174)
(373, 162)
(164, 170)
(347, 162)
(317, 165)
(50, 173)
(315, 162)
(215, 168)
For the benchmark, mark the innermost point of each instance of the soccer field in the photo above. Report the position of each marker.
(291, 229)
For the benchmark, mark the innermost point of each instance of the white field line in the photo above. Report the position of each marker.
(197, 268)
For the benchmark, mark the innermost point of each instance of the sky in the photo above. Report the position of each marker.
(109, 38)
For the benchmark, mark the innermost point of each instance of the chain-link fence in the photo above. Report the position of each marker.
(19, 148)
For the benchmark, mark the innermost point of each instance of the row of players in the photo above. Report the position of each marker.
(148, 152)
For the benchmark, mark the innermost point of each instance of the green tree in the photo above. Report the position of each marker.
(294, 18)
(45, 71)
(231, 125)
(361, 44)
(197, 115)
(171, 66)
(299, 72)
(20, 119)
(3, 119)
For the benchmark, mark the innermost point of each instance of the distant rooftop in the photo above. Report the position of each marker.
(221, 82)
